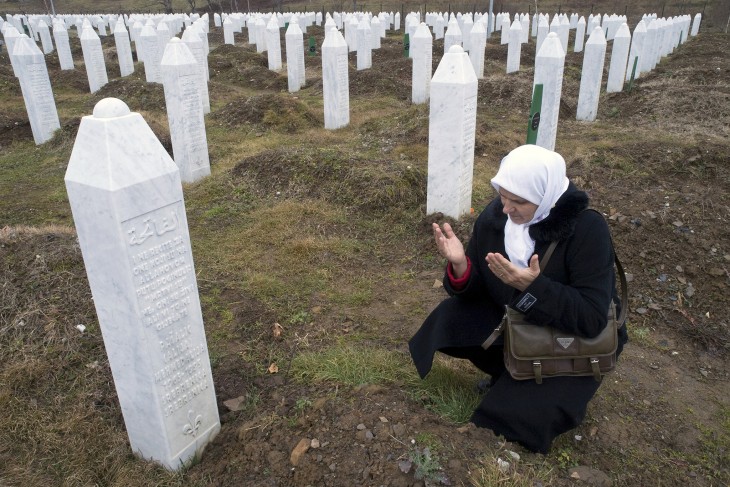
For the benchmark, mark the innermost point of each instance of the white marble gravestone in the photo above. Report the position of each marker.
(591, 76)
(151, 54)
(696, 24)
(637, 48)
(335, 80)
(375, 31)
(127, 204)
(549, 67)
(452, 37)
(191, 38)
(45, 33)
(181, 79)
(580, 33)
(93, 59)
(36, 88)
(543, 28)
(273, 45)
(364, 45)
(228, 32)
(422, 54)
(451, 135)
(11, 36)
(514, 47)
(619, 58)
(63, 48)
(478, 45)
(124, 49)
(294, 39)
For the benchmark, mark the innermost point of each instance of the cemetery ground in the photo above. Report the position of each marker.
(315, 265)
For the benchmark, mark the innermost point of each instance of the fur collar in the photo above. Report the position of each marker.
(559, 224)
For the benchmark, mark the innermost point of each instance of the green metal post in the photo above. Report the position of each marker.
(312, 46)
(406, 45)
(533, 124)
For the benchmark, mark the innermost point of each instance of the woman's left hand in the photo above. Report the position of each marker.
(512, 275)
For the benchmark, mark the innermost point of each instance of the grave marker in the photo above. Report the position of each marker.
(93, 59)
(335, 80)
(124, 50)
(128, 209)
(60, 35)
(422, 53)
(451, 135)
(591, 75)
(294, 38)
(549, 67)
(619, 58)
(181, 80)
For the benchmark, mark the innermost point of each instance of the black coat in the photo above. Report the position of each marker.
(572, 294)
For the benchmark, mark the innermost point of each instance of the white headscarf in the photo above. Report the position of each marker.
(537, 175)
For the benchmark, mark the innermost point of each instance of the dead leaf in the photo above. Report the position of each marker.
(273, 368)
(277, 330)
(437, 283)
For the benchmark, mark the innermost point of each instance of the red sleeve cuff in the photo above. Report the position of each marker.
(460, 283)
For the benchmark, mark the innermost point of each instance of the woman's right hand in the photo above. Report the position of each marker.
(451, 248)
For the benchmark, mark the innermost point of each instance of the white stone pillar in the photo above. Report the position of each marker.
(505, 25)
(535, 24)
(93, 59)
(260, 27)
(515, 47)
(543, 28)
(294, 38)
(478, 48)
(564, 32)
(181, 80)
(525, 32)
(124, 50)
(647, 60)
(438, 27)
(335, 81)
(151, 54)
(637, 49)
(467, 25)
(375, 31)
(452, 37)
(364, 49)
(45, 33)
(136, 30)
(36, 88)
(422, 54)
(696, 24)
(273, 44)
(549, 67)
(128, 208)
(228, 32)
(191, 38)
(11, 36)
(580, 32)
(619, 58)
(60, 34)
(396, 22)
(451, 135)
(591, 76)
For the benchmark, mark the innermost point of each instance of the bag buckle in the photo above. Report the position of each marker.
(596, 369)
(537, 369)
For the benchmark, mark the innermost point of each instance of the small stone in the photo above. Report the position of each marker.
(690, 291)
(437, 283)
(332, 467)
(399, 430)
(641, 311)
(299, 451)
(590, 476)
(646, 402)
(315, 443)
(515, 456)
(679, 268)
(677, 223)
(704, 373)
(503, 465)
(593, 431)
(383, 419)
(369, 435)
(361, 426)
(235, 404)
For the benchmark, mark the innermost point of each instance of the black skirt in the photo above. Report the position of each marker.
(522, 411)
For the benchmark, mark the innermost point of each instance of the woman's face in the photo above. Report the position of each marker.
(518, 209)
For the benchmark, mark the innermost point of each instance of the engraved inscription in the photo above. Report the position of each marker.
(343, 93)
(41, 95)
(192, 119)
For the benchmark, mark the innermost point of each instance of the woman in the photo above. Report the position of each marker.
(536, 204)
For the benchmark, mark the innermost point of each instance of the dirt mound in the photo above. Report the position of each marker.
(73, 79)
(277, 111)
(386, 76)
(337, 176)
(133, 90)
(244, 67)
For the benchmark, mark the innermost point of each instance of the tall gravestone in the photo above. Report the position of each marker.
(636, 51)
(128, 208)
(93, 59)
(191, 38)
(364, 47)
(181, 80)
(151, 54)
(63, 48)
(294, 39)
(45, 33)
(11, 36)
(36, 88)
(422, 54)
(619, 58)
(273, 45)
(591, 76)
(124, 49)
(228, 32)
(514, 47)
(452, 37)
(696, 24)
(451, 135)
(478, 47)
(549, 67)
(335, 80)
(580, 33)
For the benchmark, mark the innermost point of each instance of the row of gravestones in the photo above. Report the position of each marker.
(127, 202)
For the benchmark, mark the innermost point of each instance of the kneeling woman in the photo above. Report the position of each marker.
(537, 204)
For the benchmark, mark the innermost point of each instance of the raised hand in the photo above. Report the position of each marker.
(512, 275)
(451, 248)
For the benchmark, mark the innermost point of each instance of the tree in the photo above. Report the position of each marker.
(167, 5)
(192, 5)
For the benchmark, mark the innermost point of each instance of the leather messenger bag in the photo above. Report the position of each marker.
(534, 352)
